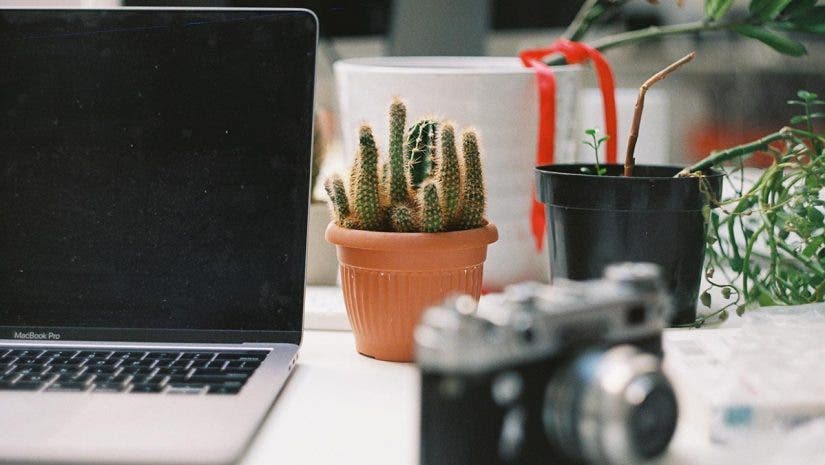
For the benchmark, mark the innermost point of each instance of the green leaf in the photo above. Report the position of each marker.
(723, 316)
(736, 264)
(803, 118)
(765, 300)
(797, 7)
(778, 42)
(726, 292)
(705, 298)
(715, 9)
(811, 17)
(815, 215)
(805, 95)
(809, 250)
(767, 9)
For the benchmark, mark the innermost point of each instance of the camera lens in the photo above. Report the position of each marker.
(653, 421)
(610, 406)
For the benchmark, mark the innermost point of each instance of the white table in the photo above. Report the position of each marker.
(343, 408)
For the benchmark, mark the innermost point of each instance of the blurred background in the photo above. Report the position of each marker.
(735, 91)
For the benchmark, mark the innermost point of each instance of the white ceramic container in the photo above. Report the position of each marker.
(499, 98)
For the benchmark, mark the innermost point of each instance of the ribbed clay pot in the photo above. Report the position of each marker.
(390, 278)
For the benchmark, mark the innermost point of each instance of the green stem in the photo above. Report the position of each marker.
(606, 43)
(746, 261)
(741, 150)
(624, 38)
(580, 24)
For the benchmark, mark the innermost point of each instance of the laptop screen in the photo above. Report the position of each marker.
(154, 168)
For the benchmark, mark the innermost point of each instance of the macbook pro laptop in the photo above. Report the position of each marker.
(154, 186)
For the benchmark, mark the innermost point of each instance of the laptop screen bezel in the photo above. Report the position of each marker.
(71, 334)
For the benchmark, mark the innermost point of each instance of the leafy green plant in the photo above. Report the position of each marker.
(766, 242)
(767, 21)
(594, 143)
(422, 187)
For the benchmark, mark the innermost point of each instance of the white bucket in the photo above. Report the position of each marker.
(499, 98)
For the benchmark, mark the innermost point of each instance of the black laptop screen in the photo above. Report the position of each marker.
(154, 168)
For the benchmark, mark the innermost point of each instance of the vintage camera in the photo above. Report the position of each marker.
(562, 374)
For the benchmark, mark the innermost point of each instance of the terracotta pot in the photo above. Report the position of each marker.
(390, 278)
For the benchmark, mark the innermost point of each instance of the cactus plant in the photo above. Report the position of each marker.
(399, 185)
(419, 188)
(365, 190)
(472, 205)
(420, 149)
(448, 175)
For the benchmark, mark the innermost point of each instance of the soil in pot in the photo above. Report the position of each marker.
(593, 221)
(390, 278)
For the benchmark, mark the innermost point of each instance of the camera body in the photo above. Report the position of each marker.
(562, 374)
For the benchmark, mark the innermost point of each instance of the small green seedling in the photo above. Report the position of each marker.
(595, 142)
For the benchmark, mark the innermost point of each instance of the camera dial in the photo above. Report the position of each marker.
(610, 406)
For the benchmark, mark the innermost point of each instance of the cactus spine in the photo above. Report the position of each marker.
(419, 187)
(473, 202)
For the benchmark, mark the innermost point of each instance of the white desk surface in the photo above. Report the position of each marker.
(343, 408)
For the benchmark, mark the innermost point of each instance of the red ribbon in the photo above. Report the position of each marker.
(573, 52)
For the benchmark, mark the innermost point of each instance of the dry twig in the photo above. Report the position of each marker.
(630, 161)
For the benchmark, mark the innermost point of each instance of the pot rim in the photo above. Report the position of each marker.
(380, 240)
(442, 65)
(549, 169)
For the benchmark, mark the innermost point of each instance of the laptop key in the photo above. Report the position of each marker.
(186, 389)
(224, 389)
(147, 387)
(109, 387)
(145, 363)
(208, 371)
(22, 386)
(128, 354)
(102, 370)
(132, 370)
(216, 380)
(68, 386)
(29, 378)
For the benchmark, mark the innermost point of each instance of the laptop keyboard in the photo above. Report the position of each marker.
(134, 371)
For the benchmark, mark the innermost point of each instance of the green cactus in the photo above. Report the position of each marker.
(399, 186)
(351, 222)
(365, 191)
(473, 201)
(339, 205)
(432, 216)
(402, 218)
(420, 149)
(417, 188)
(448, 176)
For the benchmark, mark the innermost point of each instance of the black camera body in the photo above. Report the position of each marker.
(563, 374)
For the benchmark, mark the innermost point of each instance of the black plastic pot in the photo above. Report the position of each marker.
(593, 221)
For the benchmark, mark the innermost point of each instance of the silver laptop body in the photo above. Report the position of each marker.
(154, 184)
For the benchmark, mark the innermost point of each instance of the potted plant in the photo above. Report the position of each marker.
(606, 213)
(409, 230)
(478, 88)
(766, 239)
